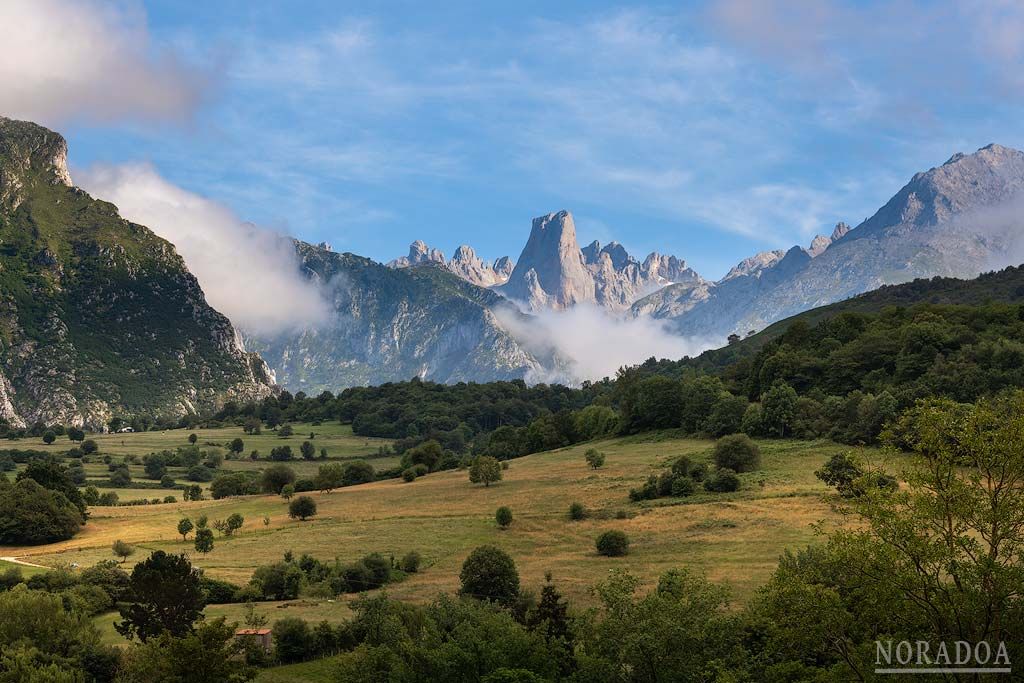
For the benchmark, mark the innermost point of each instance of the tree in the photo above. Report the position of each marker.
(485, 470)
(503, 516)
(281, 453)
(292, 639)
(204, 540)
(428, 453)
(184, 527)
(302, 508)
(75, 434)
(307, 450)
(236, 446)
(613, 543)
(122, 550)
(211, 654)
(778, 409)
(192, 438)
(120, 477)
(287, 491)
(738, 453)
(51, 475)
(330, 477)
(167, 598)
(89, 447)
(251, 425)
(488, 573)
(31, 514)
(358, 472)
(276, 477)
(192, 492)
(722, 481)
(285, 431)
(234, 523)
(155, 466)
(49, 436)
(594, 458)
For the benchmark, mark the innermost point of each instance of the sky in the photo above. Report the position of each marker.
(706, 130)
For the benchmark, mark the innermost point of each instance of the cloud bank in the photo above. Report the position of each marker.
(248, 273)
(65, 60)
(594, 343)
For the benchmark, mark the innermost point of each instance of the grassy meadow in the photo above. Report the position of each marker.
(734, 538)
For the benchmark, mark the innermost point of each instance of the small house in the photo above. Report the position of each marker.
(260, 636)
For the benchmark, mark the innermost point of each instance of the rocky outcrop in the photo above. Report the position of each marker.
(958, 220)
(393, 324)
(101, 318)
(465, 263)
(553, 272)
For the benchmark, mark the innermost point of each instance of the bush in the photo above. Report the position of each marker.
(408, 475)
(302, 508)
(218, 592)
(293, 641)
(276, 477)
(737, 453)
(410, 563)
(280, 581)
(722, 481)
(31, 514)
(503, 516)
(683, 486)
(357, 472)
(577, 512)
(613, 543)
(490, 574)
(594, 458)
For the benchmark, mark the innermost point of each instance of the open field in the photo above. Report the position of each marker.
(734, 538)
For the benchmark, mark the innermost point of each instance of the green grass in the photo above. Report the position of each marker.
(734, 538)
(317, 671)
(25, 570)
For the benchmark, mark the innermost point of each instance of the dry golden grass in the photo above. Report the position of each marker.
(734, 538)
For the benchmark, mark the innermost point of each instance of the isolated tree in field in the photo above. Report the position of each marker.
(287, 491)
(76, 434)
(302, 508)
(185, 526)
(234, 523)
(122, 550)
(89, 447)
(307, 450)
(204, 540)
(285, 431)
(236, 446)
(503, 517)
(490, 574)
(613, 543)
(192, 438)
(594, 458)
(166, 598)
(484, 470)
(192, 492)
(49, 436)
(251, 426)
(737, 453)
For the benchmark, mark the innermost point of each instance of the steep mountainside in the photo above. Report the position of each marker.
(394, 324)
(98, 316)
(956, 220)
(553, 272)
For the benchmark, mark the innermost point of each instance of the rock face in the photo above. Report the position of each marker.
(466, 264)
(553, 272)
(958, 220)
(393, 324)
(100, 317)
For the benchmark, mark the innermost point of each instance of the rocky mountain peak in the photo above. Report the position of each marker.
(840, 231)
(29, 151)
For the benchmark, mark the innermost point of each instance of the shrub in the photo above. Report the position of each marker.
(302, 508)
(357, 472)
(293, 641)
(285, 431)
(218, 592)
(410, 562)
(613, 543)
(490, 574)
(503, 516)
(408, 475)
(31, 514)
(683, 486)
(577, 511)
(737, 453)
(280, 581)
(682, 466)
(276, 477)
(649, 491)
(722, 481)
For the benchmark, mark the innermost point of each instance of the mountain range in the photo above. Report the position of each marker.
(101, 317)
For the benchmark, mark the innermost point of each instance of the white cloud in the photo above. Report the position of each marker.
(248, 273)
(596, 343)
(65, 60)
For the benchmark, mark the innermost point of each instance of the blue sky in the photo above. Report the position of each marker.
(707, 130)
